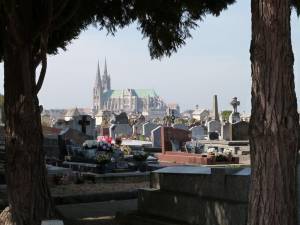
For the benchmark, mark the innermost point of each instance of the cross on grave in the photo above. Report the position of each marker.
(84, 123)
(235, 103)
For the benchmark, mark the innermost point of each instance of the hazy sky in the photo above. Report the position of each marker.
(214, 61)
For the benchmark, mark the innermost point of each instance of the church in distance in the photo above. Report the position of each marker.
(128, 100)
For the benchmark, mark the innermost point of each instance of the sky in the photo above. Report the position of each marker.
(215, 61)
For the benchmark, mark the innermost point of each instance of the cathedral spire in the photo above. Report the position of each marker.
(105, 68)
(106, 78)
(98, 91)
(98, 77)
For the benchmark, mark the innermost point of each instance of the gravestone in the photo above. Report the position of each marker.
(156, 137)
(198, 132)
(173, 139)
(213, 136)
(215, 112)
(83, 123)
(214, 126)
(147, 128)
(240, 131)
(226, 132)
(137, 129)
(235, 115)
(121, 118)
(180, 126)
(112, 130)
(120, 130)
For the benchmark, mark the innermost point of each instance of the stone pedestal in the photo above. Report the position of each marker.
(234, 117)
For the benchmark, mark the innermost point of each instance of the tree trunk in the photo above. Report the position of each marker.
(28, 193)
(274, 119)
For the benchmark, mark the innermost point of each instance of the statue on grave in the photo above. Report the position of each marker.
(235, 115)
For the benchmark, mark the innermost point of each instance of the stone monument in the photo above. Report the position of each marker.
(215, 112)
(235, 115)
(214, 125)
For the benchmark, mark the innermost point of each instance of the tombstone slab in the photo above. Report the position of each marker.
(180, 126)
(156, 137)
(198, 132)
(121, 130)
(240, 131)
(147, 128)
(214, 126)
(226, 131)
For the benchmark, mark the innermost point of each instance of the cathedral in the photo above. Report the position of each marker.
(144, 101)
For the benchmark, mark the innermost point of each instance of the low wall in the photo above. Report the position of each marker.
(199, 195)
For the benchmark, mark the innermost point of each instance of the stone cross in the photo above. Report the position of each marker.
(84, 123)
(235, 103)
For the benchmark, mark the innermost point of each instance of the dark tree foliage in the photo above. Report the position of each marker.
(166, 23)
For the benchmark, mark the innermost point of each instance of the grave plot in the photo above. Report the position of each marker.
(174, 150)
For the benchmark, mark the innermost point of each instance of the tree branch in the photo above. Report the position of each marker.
(42, 55)
(43, 58)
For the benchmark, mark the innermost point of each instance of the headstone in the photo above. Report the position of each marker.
(240, 131)
(147, 128)
(83, 123)
(180, 126)
(137, 129)
(198, 132)
(215, 112)
(120, 130)
(226, 132)
(214, 126)
(156, 137)
(112, 130)
(120, 118)
(235, 115)
(52, 222)
(213, 136)
(174, 138)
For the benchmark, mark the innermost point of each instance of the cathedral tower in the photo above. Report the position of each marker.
(98, 92)
(106, 79)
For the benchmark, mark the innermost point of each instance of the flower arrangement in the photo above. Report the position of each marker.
(104, 146)
(211, 151)
(103, 158)
(140, 156)
(126, 150)
(227, 152)
(221, 158)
